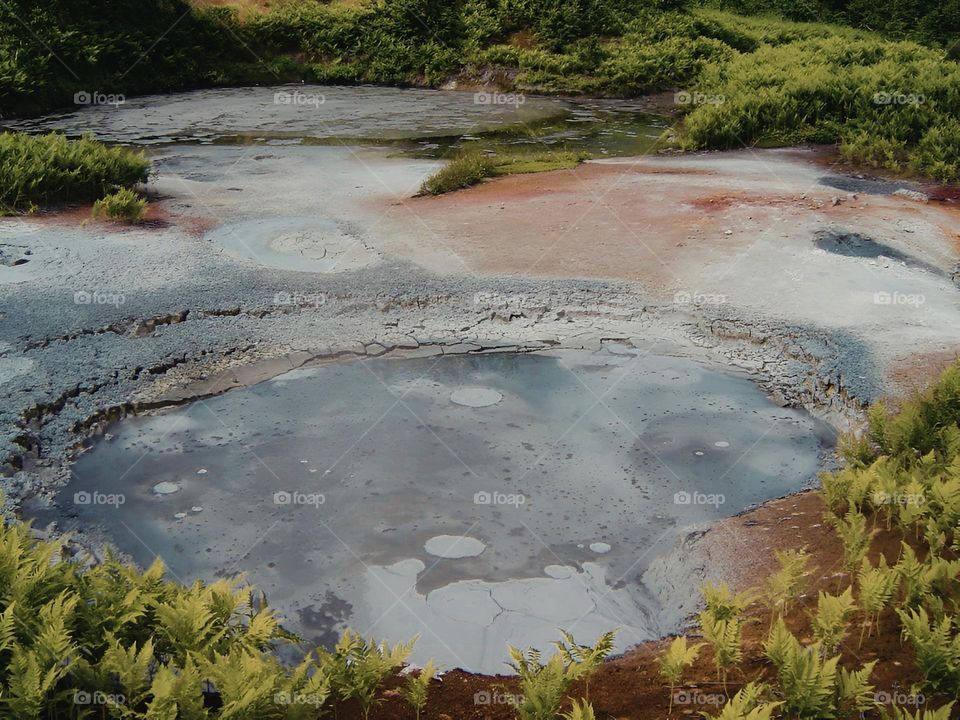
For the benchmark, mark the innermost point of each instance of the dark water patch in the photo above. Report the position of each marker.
(864, 184)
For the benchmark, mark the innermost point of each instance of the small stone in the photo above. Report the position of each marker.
(165, 488)
(197, 508)
(202, 471)
(180, 515)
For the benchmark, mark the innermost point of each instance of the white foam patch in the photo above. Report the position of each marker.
(453, 547)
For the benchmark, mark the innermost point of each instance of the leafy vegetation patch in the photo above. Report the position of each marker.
(890, 105)
(918, 19)
(123, 205)
(472, 167)
(43, 169)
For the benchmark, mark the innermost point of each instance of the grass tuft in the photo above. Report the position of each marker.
(473, 167)
(123, 206)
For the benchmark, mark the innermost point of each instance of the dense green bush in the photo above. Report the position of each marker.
(42, 169)
(922, 19)
(51, 50)
(893, 105)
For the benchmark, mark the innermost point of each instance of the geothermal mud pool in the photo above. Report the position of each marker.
(473, 500)
(580, 362)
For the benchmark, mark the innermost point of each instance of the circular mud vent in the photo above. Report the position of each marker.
(476, 397)
(300, 244)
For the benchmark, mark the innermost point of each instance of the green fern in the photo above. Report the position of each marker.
(725, 638)
(747, 704)
(722, 603)
(357, 668)
(584, 660)
(877, 586)
(944, 713)
(831, 619)
(852, 529)
(855, 694)
(785, 585)
(674, 660)
(542, 685)
(580, 711)
(937, 648)
(417, 688)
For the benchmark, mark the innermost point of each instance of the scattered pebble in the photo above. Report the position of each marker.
(165, 488)
(180, 515)
(197, 508)
(202, 471)
(722, 444)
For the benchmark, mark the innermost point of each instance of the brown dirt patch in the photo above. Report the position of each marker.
(914, 372)
(638, 221)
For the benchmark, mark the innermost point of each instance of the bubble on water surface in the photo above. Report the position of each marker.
(454, 547)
